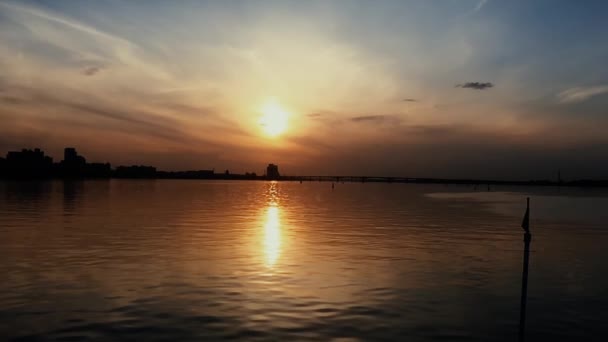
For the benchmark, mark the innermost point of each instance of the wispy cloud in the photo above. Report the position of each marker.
(410, 100)
(83, 43)
(375, 119)
(480, 4)
(13, 100)
(580, 94)
(64, 21)
(90, 71)
(476, 85)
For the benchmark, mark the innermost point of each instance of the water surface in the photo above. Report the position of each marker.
(213, 260)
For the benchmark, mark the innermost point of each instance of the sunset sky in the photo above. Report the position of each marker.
(461, 88)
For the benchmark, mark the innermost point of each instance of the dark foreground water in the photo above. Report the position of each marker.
(196, 260)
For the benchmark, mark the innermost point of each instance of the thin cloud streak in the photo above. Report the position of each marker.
(580, 94)
(480, 4)
(64, 21)
(83, 44)
(90, 71)
(368, 118)
(476, 85)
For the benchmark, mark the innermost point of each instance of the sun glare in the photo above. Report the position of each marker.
(274, 119)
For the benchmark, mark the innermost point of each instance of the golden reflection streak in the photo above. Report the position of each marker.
(272, 236)
(272, 227)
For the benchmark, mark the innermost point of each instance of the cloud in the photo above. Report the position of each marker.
(480, 4)
(410, 100)
(82, 42)
(130, 121)
(13, 100)
(376, 119)
(326, 116)
(90, 71)
(434, 130)
(476, 85)
(65, 21)
(580, 94)
(310, 142)
(177, 90)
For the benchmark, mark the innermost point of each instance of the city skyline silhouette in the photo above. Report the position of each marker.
(34, 164)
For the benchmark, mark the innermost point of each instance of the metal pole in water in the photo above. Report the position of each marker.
(524, 279)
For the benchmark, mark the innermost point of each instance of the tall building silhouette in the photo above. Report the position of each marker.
(71, 157)
(72, 164)
(272, 171)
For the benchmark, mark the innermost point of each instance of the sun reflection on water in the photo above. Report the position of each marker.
(272, 236)
(272, 227)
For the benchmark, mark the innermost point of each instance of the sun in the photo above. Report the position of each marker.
(274, 119)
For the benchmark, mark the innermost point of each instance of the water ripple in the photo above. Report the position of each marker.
(195, 260)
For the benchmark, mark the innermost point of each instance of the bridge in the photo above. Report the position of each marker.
(384, 179)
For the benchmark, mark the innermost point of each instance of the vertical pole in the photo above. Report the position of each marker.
(524, 282)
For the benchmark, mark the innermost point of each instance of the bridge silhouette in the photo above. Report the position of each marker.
(426, 180)
(385, 179)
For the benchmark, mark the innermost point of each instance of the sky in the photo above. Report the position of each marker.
(454, 88)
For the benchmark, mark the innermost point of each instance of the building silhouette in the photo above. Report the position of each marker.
(70, 156)
(98, 170)
(28, 164)
(135, 171)
(34, 164)
(272, 172)
(195, 174)
(72, 165)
